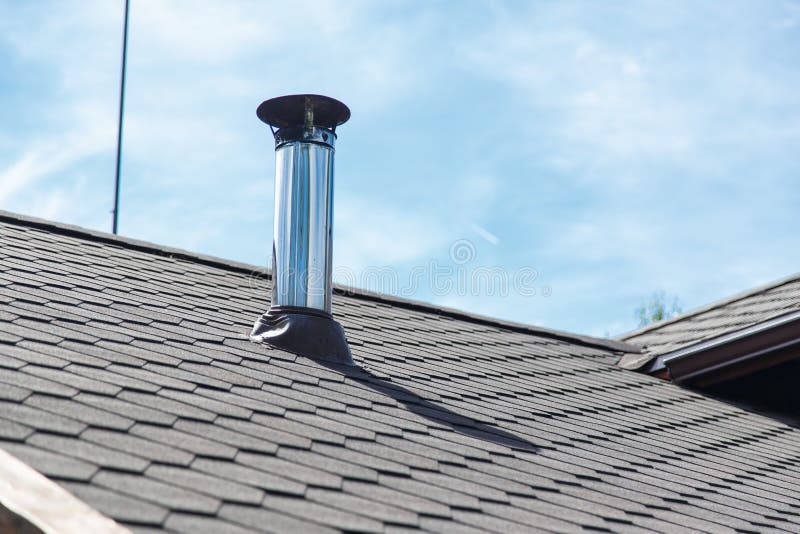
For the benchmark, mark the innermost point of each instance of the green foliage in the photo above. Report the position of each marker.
(655, 309)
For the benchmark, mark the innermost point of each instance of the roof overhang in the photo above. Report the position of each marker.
(30, 503)
(732, 355)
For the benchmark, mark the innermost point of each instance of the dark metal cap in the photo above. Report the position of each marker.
(298, 110)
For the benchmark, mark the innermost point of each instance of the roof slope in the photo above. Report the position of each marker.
(735, 313)
(126, 376)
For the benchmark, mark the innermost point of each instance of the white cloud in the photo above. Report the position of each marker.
(208, 32)
(656, 96)
(487, 236)
(46, 159)
(605, 98)
(372, 232)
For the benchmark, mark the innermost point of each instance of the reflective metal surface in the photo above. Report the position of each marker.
(301, 255)
(310, 134)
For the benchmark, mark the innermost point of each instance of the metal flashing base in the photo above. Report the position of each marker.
(304, 331)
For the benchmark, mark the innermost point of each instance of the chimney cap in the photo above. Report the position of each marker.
(290, 110)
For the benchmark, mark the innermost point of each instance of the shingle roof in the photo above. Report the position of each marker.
(126, 376)
(735, 313)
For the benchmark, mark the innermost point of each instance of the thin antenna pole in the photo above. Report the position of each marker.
(119, 122)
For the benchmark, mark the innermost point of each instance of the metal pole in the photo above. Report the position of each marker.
(119, 122)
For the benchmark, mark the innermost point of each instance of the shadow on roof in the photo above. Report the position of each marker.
(436, 413)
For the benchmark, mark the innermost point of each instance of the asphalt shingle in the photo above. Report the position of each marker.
(127, 377)
(748, 309)
(175, 498)
(227, 490)
(121, 507)
(247, 475)
(52, 464)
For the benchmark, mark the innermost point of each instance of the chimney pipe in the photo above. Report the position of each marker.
(299, 318)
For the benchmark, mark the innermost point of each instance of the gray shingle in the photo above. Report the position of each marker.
(376, 462)
(25, 355)
(40, 419)
(128, 410)
(227, 490)
(270, 520)
(393, 497)
(347, 470)
(241, 441)
(144, 448)
(149, 376)
(84, 354)
(365, 506)
(188, 376)
(195, 524)
(453, 482)
(286, 372)
(54, 332)
(128, 354)
(323, 514)
(13, 333)
(10, 363)
(51, 464)
(259, 376)
(89, 452)
(199, 399)
(13, 393)
(446, 422)
(435, 493)
(157, 492)
(201, 352)
(278, 400)
(224, 375)
(241, 401)
(316, 401)
(332, 425)
(561, 519)
(272, 433)
(82, 383)
(247, 475)
(299, 428)
(11, 431)
(753, 307)
(413, 444)
(80, 412)
(35, 383)
(167, 405)
(291, 470)
(115, 378)
(184, 441)
(488, 522)
(121, 507)
(433, 524)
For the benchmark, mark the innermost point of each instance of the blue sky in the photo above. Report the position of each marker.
(613, 148)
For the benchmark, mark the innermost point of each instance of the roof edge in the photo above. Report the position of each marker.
(708, 307)
(146, 246)
(41, 505)
(732, 348)
(129, 242)
(613, 344)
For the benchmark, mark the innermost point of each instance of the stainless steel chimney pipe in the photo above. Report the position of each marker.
(299, 318)
(301, 255)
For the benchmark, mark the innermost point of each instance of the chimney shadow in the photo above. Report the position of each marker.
(434, 412)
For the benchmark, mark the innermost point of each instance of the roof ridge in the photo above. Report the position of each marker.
(215, 261)
(129, 242)
(708, 307)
